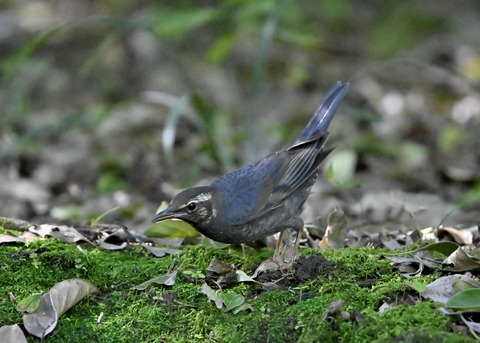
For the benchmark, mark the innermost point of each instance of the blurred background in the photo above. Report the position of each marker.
(108, 104)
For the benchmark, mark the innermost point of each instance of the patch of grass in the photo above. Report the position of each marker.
(362, 279)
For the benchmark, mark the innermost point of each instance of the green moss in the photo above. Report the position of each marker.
(362, 279)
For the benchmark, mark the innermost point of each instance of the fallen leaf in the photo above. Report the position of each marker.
(465, 300)
(110, 246)
(212, 295)
(232, 300)
(269, 264)
(61, 232)
(14, 224)
(461, 261)
(335, 233)
(442, 289)
(12, 334)
(30, 304)
(167, 280)
(333, 308)
(44, 320)
(415, 261)
(56, 302)
(243, 277)
(463, 237)
(161, 252)
(10, 239)
(210, 243)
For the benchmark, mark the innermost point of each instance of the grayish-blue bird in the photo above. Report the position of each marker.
(265, 197)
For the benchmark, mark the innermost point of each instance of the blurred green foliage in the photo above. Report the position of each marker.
(214, 34)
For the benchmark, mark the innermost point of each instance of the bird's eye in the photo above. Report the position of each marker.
(192, 206)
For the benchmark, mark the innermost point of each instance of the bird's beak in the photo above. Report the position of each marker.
(164, 215)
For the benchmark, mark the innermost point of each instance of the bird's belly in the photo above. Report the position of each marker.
(278, 219)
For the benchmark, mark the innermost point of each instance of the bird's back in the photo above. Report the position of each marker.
(254, 190)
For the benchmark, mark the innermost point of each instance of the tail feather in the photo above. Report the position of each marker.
(320, 121)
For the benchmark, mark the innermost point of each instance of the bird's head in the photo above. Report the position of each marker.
(194, 205)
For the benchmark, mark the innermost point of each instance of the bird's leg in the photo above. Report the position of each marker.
(285, 250)
(278, 248)
(295, 247)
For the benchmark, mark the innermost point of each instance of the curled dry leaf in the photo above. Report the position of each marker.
(460, 261)
(56, 302)
(61, 232)
(243, 277)
(462, 237)
(217, 267)
(270, 264)
(335, 307)
(10, 239)
(335, 234)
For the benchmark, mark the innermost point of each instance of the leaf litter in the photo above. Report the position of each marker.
(52, 305)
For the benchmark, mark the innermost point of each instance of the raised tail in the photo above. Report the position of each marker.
(320, 121)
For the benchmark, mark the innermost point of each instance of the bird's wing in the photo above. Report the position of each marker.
(246, 191)
(253, 190)
(302, 164)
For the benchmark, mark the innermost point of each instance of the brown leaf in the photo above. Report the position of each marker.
(463, 237)
(461, 261)
(335, 234)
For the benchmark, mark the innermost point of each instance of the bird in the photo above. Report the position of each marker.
(265, 197)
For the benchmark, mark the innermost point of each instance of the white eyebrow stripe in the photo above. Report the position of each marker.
(203, 197)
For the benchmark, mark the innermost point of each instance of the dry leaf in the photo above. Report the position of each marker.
(160, 252)
(212, 295)
(167, 280)
(463, 237)
(443, 288)
(335, 234)
(56, 302)
(335, 307)
(10, 239)
(12, 334)
(461, 261)
(61, 232)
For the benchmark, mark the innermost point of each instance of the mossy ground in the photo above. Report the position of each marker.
(180, 313)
